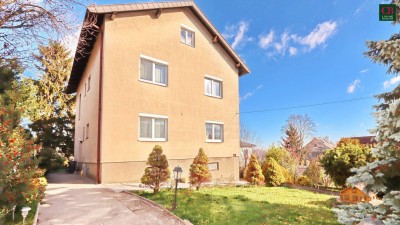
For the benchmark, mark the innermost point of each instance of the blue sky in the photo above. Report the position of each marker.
(301, 53)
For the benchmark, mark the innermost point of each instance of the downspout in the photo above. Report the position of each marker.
(99, 122)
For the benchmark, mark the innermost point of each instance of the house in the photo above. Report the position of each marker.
(155, 73)
(354, 195)
(316, 147)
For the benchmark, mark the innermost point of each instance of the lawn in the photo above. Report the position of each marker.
(249, 205)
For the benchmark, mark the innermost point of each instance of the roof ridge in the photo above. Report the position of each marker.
(137, 3)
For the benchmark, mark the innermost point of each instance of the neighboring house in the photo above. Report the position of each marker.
(156, 73)
(316, 147)
(365, 140)
(246, 149)
(354, 195)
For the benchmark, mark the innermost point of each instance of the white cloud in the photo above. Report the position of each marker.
(318, 36)
(364, 70)
(391, 82)
(249, 94)
(293, 43)
(266, 40)
(281, 47)
(293, 51)
(352, 87)
(238, 33)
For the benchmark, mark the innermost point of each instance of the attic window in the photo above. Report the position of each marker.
(187, 36)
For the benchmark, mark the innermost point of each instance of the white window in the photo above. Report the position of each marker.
(213, 87)
(153, 71)
(153, 127)
(213, 166)
(214, 131)
(87, 131)
(187, 36)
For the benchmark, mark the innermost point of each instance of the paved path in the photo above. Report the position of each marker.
(73, 199)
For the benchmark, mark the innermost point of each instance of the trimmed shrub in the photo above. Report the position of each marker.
(304, 181)
(253, 173)
(157, 171)
(273, 172)
(199, 172)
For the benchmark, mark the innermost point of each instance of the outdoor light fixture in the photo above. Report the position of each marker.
(25, 210)
(177, 175)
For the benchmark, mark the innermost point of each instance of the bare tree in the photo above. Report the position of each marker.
(26, 24)
(249, 141)
(305, 129)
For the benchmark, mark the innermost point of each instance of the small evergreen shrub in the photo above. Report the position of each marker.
(304, 181)
(199, 172)
(253, 173)
(273, 172)
(157, 171)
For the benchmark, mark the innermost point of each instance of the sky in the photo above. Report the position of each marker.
(303, 53)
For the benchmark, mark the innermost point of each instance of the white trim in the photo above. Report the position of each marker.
(187, 28)
(214, 96)
(214, 122)
(213, 78)
(213, 141)
(153, 139)
(153, 115)
(153, 59)
(151, 82)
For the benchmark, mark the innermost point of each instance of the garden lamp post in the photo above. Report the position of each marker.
(24, 213)
(177, 175)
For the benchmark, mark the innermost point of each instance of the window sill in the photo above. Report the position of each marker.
(187, 44)
(214, 141)
(152, 139)
(151, 82)
(213, 96)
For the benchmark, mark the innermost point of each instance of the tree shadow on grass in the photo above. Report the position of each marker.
(200, 208)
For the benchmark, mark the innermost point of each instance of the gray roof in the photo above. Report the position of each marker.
(81, 61)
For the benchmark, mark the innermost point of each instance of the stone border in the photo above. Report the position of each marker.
(35, 219)
(185, 222)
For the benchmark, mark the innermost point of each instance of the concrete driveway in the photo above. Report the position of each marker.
(73, 199)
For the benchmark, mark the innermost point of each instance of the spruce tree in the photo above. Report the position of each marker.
(53, 122)
(157, 171)
(199, 172)
(253, 173)
(292, 142)
(383, 175)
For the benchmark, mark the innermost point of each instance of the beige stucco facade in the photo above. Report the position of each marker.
(124, 40)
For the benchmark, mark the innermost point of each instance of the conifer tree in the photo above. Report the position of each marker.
(274, 173)
(293, 143)
(53, 122)
(157, 171)
(382, 175)
(199, 172)
(253, 173)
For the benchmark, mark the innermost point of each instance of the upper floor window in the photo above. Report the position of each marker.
(214, 131)
(187, 36)
(152, 127)
(87, 131)
(213, 87)
(88, 83)
(153, 70)
(80, 106)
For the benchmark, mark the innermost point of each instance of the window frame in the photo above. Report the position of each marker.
(154, 62)
(87, 131)
(88, 83)
(213, 79)
(216, 163)
(188, 30)
(213, 132)
(153, 117)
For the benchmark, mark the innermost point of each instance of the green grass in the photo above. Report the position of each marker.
(249, 205)
(7, 220)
